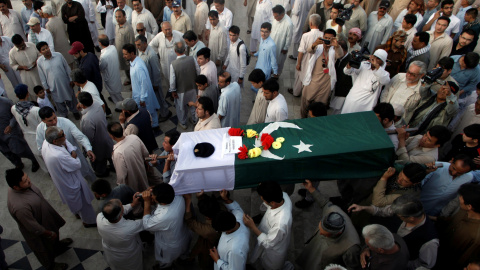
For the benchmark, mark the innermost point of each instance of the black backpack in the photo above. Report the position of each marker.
(238, 51)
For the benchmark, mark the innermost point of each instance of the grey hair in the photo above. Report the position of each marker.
(164, 22)
(48, 10)
(378, 236)
(179, 47)
(421, 65)
(335, 267)
(315, 19)
(78, 76)
(407, 206)
(51, 134)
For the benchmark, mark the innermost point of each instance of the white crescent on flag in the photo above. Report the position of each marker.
(269, 129)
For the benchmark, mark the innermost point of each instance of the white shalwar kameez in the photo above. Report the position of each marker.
(172, 237)
(109, 26)
(263, 13)
(366, 88)
(225, 18)
(122, 246)
(67, 177)
(210, 71)
(236, 64)
(233, 248)
(299, 15)
(75, 137)
(276, 227)
(109, 68)
(282, 32)
(165, 50)
(277, 110)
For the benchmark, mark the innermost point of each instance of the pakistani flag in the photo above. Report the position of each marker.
(332, 147)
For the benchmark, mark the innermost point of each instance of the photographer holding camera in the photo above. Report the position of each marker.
(371, 76)
(320, 76)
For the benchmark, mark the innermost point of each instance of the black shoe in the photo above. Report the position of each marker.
(302, 192)
(303, 204)
(94, 225)
(20, 166)
(163, 119)
(293, 58)
(97, 49)
(118, 110)
(35, 166)
(110, 98)
(77, 116)
(258, 218)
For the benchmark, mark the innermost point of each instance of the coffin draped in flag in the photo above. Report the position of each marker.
(323, 148)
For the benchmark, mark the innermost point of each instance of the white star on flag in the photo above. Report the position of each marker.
(303, 147)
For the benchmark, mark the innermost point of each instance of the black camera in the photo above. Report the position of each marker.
(433, 75)
(344, 15)
(359, 56)
(326, 41)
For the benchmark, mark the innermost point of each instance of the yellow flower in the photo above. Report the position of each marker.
(251, 133)
(280, 140)
(254, 152)
(276, 145)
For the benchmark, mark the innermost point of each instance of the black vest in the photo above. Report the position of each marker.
(344, 82)
(145, 131)
(420, 236)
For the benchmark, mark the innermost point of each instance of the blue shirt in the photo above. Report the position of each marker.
(229, 105)
(467, 78)
(439, 188)
(26, 13)
(142, 89)
(167, 12)
(267, 60)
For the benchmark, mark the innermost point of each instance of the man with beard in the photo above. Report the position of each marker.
(379, 27)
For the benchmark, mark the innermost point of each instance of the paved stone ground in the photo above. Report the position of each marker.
(86, 249)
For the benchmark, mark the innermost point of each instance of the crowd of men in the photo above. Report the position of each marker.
(414, 63)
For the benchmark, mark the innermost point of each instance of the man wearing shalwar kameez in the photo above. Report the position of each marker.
(142, 89)
(282, 31)
(73, 135)
(172, 237)
(263, 13)
(368, 84)
(65, 169)
(37, 220)
(320, 76)
(299, 16)
(109, 67)
(121, 242)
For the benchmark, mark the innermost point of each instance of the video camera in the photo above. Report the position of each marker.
(326, 41)
(433, 75)
(359, 56)
(344, 15)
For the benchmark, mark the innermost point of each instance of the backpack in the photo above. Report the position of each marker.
(246, 49)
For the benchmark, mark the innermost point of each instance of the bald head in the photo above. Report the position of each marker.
(103, 40)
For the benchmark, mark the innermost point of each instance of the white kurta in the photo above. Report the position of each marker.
(43, 35)
(218, 43)
(233, 248)
(109, 67)
(67, 177)
(199, 19)
(26, 57)
(282, 32)
(398, 22)
(225, 18)
(378, 30)
(148, 20)
(121, 242)
(277, 109)
(165, 50)
(172, 237)
(276, 227)
(366, 88)
(453, 27)
(263, 13)
(75, 137)
(109, 26)
(11, 24)
(210, 71)
(89, 87)
(236, 64)
(299, 15)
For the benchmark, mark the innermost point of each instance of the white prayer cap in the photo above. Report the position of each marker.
(382, 54)
(47, 9)
(398, 109)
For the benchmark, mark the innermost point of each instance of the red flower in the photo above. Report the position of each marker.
(235, 132)
(243, 154)
(266, 140)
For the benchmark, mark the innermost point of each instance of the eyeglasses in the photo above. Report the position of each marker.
(140, 30)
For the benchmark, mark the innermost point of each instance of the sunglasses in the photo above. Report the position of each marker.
(140, 30)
